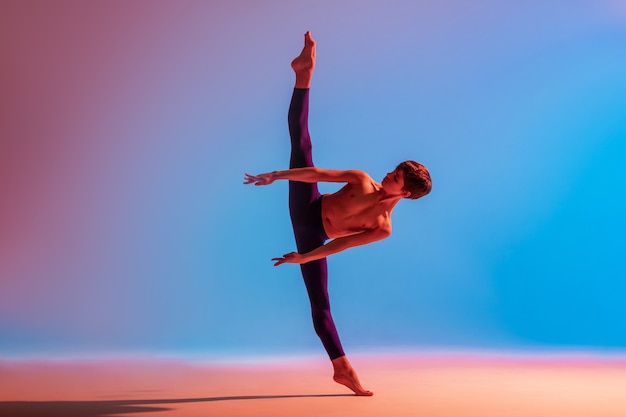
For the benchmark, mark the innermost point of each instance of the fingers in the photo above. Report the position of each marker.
(250, 179)
(291, 257)
(256, 179)
(279, 261)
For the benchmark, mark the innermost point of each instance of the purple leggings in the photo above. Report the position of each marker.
(305, 207)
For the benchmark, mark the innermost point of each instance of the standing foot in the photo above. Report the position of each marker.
(304, 63)
(346, 375)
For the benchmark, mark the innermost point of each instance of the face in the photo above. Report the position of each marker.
(393, 183)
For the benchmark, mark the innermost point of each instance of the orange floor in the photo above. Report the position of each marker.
(419, 385)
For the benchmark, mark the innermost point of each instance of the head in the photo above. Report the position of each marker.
(412, 178)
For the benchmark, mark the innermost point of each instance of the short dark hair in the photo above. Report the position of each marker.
(416, 179)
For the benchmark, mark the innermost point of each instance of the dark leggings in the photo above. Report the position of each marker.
(305, 207)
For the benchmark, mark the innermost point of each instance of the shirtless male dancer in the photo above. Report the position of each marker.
(357, 214)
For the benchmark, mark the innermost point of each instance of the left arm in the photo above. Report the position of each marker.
(309, 174)
(336, 245)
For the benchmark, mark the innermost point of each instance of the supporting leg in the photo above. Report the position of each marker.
(315, 276)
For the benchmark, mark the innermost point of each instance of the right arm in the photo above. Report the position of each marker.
(337, 245)
(308, 174)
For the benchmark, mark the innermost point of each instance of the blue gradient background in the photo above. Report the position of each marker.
(126, 127)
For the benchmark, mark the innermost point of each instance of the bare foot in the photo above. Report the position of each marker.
(345, 375)
(304, 63)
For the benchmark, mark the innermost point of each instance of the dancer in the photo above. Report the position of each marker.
(357, 214)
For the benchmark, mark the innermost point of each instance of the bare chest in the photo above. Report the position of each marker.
(352, 210)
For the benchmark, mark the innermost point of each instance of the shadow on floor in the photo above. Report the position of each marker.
(113, 407)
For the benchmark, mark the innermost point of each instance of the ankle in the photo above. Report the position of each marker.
(303, 81)
(341, 365)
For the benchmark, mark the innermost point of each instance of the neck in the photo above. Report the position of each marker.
(388, 200)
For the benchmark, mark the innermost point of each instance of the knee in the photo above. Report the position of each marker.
(321, 318)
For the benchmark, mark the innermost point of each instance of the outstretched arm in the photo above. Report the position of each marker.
(334, 246)
(309, 174)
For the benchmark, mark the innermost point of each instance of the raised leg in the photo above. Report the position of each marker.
(315, 276)
(298, 119)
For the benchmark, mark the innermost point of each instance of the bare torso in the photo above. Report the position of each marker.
(354, 209)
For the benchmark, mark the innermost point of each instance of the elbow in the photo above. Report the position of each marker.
(311, 174)
(385, 232)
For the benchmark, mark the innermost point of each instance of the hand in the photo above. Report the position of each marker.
(261, 179)
(290, 258)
